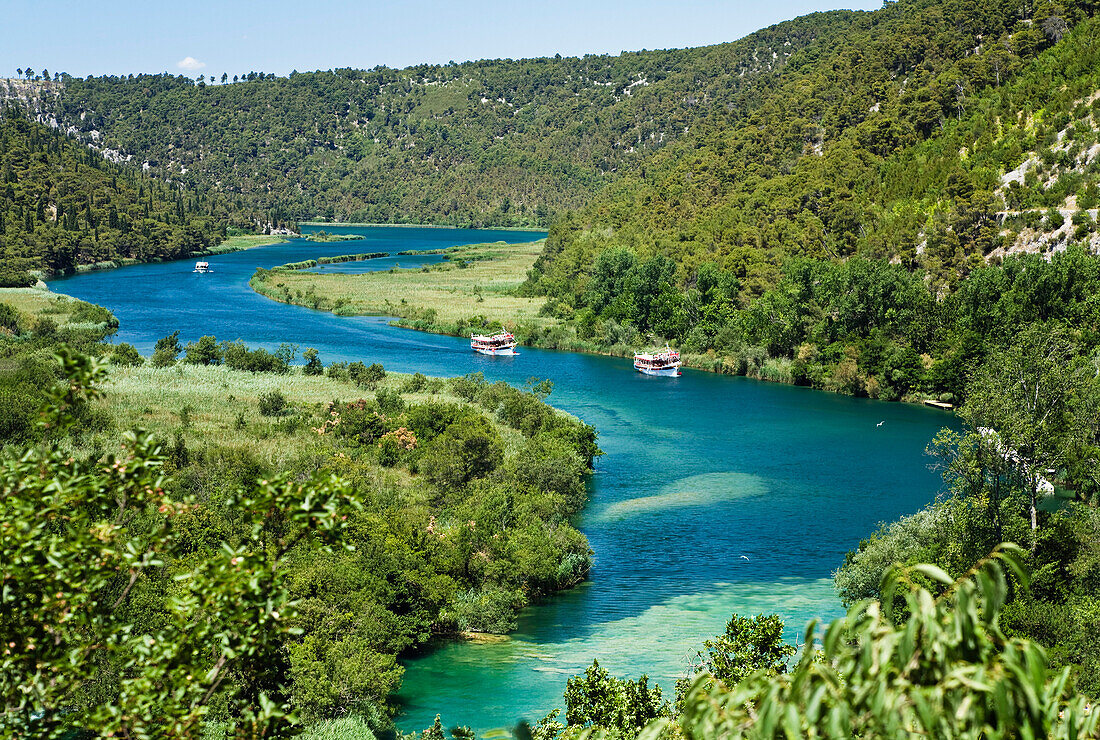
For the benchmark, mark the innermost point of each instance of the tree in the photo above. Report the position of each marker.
(203, 352)
(1033, 403)
(166, 350)
(86, 542)
(313, 363)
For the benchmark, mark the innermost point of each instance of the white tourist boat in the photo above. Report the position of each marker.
(663, 362)
(201, 266)
(497, 344)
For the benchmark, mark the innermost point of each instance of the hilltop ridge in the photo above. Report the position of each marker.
(486, 143)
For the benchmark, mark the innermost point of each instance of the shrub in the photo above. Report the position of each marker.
(272, 403)
(415, 384)
(126, 355)
(466, 450)
(11, 277)
(18, 412)
(362, 375)
(490, 609)
(357, 373)
(394, 444)
(548, 463)
(203, 352)
(185, 415)
(9, 319)
(90, 313)
(360, 421)
(389, 401)
(468, 386)
(429, 420)
(237, 356)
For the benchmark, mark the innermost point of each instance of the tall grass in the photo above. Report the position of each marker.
(479, 285)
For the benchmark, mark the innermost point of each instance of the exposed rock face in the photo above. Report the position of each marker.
(37, 98)
(1049, 230)
(32, 95)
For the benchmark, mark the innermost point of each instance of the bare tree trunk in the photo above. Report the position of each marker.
(1034, 510)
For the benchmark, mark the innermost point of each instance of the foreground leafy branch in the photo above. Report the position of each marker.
(947, 671)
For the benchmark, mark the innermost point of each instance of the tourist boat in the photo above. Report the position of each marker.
(202, 266)
(664, 362)
(498, 344)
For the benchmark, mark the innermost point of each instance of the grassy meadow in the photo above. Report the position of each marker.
(39, 303)
(217, 406)
(476, 286)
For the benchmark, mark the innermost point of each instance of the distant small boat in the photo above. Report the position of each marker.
(497, 344)
(202, 267)
(665, 362)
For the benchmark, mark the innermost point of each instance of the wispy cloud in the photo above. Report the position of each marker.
(190, 63)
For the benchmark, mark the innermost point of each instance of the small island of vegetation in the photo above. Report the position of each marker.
(325, 237)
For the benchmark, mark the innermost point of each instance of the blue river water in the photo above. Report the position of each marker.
(716, 494)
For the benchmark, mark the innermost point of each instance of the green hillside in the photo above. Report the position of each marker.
(63, 205)
(503, 142)
(831, 162)
(935, 141)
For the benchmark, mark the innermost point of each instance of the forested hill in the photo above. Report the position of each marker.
(505, 142)
(891, 143)
(63, 205)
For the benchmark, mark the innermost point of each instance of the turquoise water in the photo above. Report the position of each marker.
(716, 495)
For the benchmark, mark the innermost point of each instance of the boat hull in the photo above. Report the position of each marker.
(667, 372)
(504, 352)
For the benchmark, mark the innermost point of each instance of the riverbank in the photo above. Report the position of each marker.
(476, 290)
(356, 224)
(461, 493)
(231, 244)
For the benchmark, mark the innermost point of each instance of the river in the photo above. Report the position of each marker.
(716, 495)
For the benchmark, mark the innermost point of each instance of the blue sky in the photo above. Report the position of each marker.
(122, 37)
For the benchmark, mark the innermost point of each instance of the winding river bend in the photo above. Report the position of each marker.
(716, 495)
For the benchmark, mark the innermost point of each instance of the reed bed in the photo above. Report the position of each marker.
(479, 283)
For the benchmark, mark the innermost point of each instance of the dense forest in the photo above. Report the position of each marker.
(63, 205)
(892, 145)
(796, 248)
(486, 143)
(451, 501)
